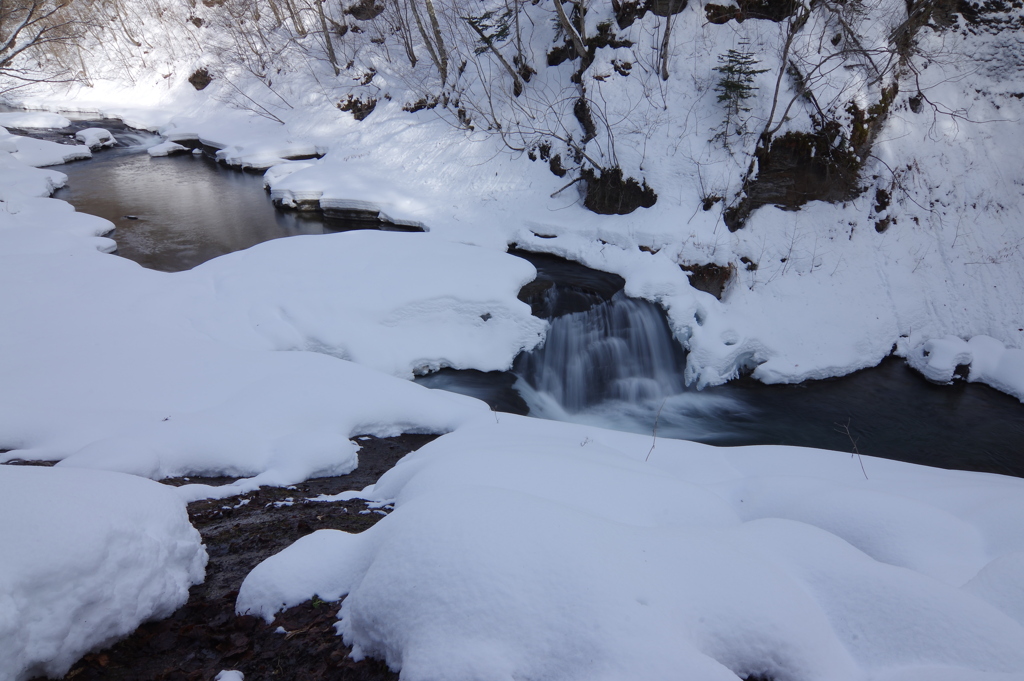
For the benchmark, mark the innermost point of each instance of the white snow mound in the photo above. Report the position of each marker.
(166, 149)
(95, 138)
(214, 373)
(526, 549)
(87, 557)
(400, 303)
(989, 361)
(40, 153)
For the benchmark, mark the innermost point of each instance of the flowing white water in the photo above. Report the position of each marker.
(617, 350)
(618, 365)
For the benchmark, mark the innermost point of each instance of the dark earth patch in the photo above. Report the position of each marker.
(611, 194)
(579, 287)
(710, 278)
(200, 79)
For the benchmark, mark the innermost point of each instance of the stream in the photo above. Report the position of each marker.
(608, 360)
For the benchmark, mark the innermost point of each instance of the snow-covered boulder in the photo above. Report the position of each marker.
(237, 353)
(86, 557)
(167, 148)
(403, 304)
(95, 138)
(263, 153)
(989, 361)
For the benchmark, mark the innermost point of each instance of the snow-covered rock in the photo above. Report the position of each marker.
(400, 303)
(263, 153)
(18, 181)
(229, 675)
(87, 556)
(95, 138)
(167, 148)
(989, 361)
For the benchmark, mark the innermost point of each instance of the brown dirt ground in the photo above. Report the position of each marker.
(205, 636)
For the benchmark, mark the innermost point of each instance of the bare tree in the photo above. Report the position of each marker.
(39, 29)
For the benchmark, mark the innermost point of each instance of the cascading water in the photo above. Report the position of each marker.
(621, 349)
(613, 361)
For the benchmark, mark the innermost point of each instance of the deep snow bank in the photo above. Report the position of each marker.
(403, 304)
(528, 549)
(18, 180)
(87, 556)
(234, 368)
(39, 153)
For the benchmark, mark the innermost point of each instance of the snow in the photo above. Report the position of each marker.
(229, 675)
(400, 303)
(87, 557)
(18, 181)
(517, 548)
(830, 295)
(262, 153)
(989, 361)
(250, 360)
(95, 138)
(39, 153)
(528, 549)
(33, 120)
(166, 149)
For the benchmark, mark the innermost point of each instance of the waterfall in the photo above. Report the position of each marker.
(619, 349)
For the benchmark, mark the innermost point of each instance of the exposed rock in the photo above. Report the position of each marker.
(580, 287)
(823, 165)
(771, 10)
(799, 167)
(664, 8)
(365, 10)
(358, 107)
(611, 194)
(710, 278)
(628, 11)
(721, 14)
(200, 79)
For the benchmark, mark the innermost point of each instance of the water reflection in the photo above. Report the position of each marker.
(183, 210)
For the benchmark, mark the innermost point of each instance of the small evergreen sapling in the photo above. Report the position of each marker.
(735, 86)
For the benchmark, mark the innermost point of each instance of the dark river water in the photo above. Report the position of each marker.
(189, 209)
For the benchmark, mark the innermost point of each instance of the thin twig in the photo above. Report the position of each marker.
(845, 429)
(655, 433)
(566, 186)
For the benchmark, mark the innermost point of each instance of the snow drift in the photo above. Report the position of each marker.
(529, 549)
(87, 557)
